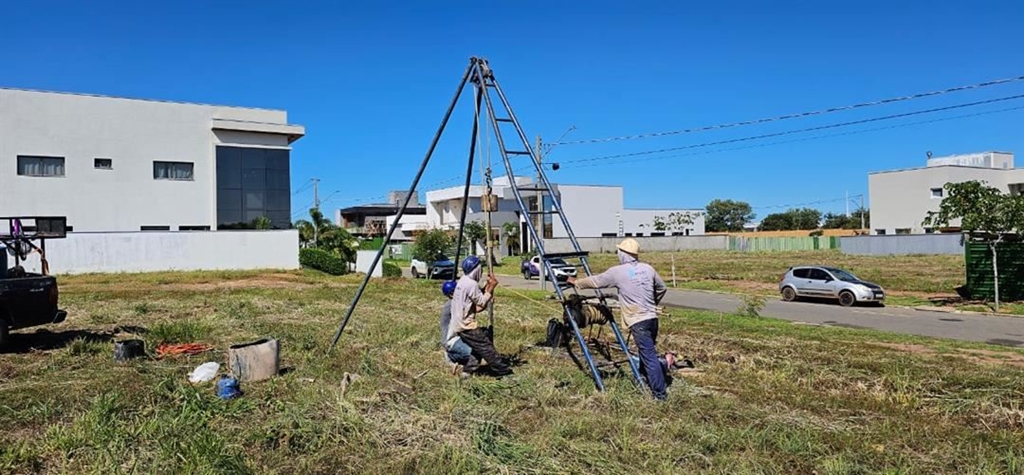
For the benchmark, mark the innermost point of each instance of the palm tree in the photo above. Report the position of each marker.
(511, 232)
(311, 231)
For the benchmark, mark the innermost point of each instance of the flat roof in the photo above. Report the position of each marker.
(942, 166)
(104, 96)
(383, 208)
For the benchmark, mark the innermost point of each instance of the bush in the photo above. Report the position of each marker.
(392, 270)
(371, 244)
(323, 261)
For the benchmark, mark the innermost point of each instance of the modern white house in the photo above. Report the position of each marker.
(900, 199)
(141, 181)
(372, 220)
(117, 164)
(592, 211)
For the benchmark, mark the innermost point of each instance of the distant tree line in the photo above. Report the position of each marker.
(733, 216)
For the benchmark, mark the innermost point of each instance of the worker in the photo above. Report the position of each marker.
(467, 302)
(456, 351)
(640, 291)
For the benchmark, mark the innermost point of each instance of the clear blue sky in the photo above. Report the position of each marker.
(370, 80)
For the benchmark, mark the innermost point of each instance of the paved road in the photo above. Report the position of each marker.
(1006, 331)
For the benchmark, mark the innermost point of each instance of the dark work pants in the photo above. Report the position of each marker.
(483, 348)
(645, 334)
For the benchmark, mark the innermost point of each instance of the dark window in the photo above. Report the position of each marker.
(657, 234)
(181, 171)
(639, 234)
(902, 230)
(193, 228)
(880, 232)
(155, 228)
(69, 228)
(103, 163)
(609, 234)
(40, 166)
(818, 274)
(929, 230)
(253, 183)
(801, 273)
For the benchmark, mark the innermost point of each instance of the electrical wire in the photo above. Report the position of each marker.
(799, 115)
(807, 203)
(805, 139)
(305, 186)
(797, 131)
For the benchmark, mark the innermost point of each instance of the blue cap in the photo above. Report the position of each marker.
(448, 288)
(469, 264)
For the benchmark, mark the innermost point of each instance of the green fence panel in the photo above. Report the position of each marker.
(770, 244)
(978, 260)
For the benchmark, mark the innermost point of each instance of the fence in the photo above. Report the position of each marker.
(767, 244)
(980, 281)
(902, 244)
(647, 244)
(153, 251)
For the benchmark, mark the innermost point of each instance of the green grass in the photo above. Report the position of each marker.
(772, 398)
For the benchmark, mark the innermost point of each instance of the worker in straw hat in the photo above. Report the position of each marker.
(640, 291)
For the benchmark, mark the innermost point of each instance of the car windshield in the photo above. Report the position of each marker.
(558, 262)
(843, 275)
(441, 257)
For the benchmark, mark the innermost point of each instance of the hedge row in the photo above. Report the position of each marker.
(323, 261)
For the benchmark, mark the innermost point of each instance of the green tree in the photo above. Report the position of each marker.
(319, 232)
(431, 244)
(842, 221)
(262, 222)
(727, 215)
(777, 222)
(983, 211)
(797, 218)
(675, 221)
(511, 232)
(474, 232)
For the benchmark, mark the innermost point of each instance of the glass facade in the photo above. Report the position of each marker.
(253, 182)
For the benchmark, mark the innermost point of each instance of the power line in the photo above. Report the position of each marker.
(304, 187)
(807, 139)
(799, 115)
(796, 131)
(807, 203)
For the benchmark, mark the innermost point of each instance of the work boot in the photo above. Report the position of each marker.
(471, 366)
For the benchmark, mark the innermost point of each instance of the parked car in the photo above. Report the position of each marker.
(828, 283)
(532, 268)
(440, 268)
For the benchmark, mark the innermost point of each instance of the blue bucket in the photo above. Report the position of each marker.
(227, 388)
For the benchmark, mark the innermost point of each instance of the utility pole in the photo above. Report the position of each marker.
(862, 211)
(847, 203)
(316, 205)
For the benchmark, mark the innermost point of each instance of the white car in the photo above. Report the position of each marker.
(562, 270)
(440, 268)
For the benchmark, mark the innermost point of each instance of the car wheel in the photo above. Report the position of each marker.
(415, 273)
(788, 294)
(846, 298)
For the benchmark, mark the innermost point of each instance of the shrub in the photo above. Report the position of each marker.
(392, 270)
(323, 261)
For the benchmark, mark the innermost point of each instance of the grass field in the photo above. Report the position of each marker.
(770, 397)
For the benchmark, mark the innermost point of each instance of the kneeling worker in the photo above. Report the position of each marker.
(456, 351)
(468, 301)
(640, 291)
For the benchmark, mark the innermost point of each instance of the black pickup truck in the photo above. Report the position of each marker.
(27, 299)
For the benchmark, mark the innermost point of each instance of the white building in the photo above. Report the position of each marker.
(901, 199)
(116, 164)
(592, 211)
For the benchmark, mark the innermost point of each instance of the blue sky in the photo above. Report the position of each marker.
(370, 81)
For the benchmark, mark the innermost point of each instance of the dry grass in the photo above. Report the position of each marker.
(770, 397)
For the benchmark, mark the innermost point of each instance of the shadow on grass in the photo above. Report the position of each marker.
(45, 340)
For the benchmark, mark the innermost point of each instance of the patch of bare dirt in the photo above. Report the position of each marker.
(977, 356)
(269, 281)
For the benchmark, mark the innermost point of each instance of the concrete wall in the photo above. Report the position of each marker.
(133, 134)
(901, 245)
(647, 244)
(166, 251)
(902, 199)
(363, 261)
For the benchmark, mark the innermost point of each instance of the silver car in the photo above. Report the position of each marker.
(828, 283)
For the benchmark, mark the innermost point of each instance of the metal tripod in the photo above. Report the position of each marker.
(480, 75)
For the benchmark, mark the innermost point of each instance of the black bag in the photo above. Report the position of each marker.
(556, 334)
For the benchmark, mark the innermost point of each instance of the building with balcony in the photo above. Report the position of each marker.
(374, 220)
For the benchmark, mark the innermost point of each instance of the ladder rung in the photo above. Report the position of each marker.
(542, 212)
(518, 152)
(532, 189)
(503, 119)
(562, 255)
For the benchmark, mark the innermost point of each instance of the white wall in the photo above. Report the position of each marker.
(642, 221)
(591, 210)
(134, 134)
(166, 251)
(902, 199)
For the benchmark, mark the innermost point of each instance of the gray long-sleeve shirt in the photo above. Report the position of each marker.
(640, 289)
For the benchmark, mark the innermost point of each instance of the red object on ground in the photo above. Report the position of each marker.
(165, 349)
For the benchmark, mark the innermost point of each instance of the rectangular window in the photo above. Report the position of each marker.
(181, 171)
(103, 164)
(880, 232)
(609, 234)
(193, 228)
(936, 192)
(929, 230)
(902, 230)
(155, 228)
(40, 166)
(801, 273)
(657, 234)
